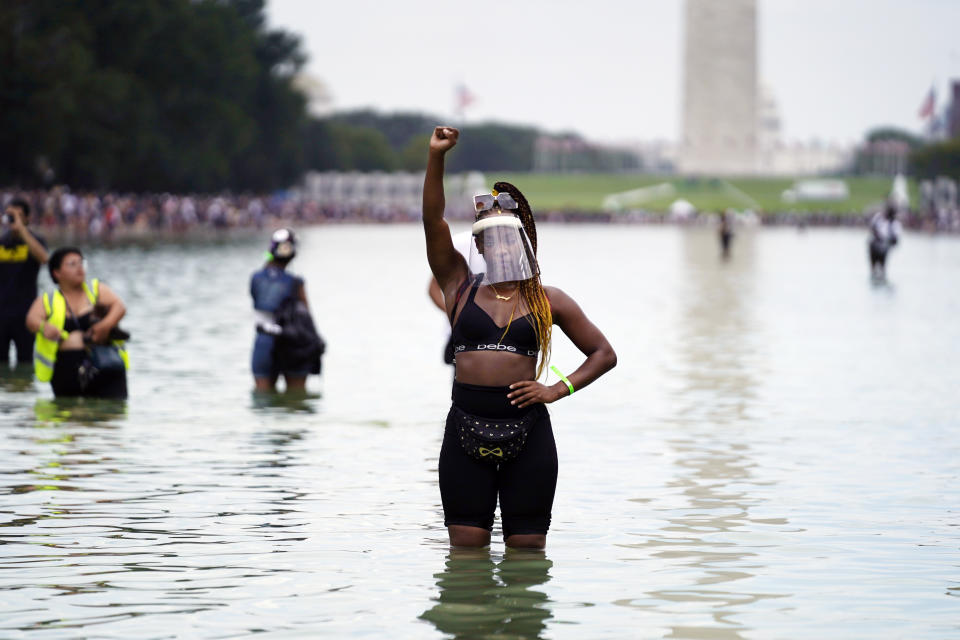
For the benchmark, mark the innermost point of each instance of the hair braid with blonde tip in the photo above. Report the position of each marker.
(532, 289)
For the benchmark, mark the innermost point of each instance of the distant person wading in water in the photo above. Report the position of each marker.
(498, 441)
(726, 233)
(287, 343)
(884, 234)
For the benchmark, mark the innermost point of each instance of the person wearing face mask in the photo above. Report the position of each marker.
(79, 349)
(498, 442)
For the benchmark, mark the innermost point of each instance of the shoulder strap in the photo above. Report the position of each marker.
(476, 287)
(460, 290)
(67, 304)
(46, 304)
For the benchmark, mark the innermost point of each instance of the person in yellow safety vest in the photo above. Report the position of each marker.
(68, 351)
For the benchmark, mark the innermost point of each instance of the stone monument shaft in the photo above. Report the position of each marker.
(720, 88)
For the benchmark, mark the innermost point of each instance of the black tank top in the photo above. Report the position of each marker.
(475, 330)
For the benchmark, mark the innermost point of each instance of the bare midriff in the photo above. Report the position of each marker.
(74, 342)
(494, 369)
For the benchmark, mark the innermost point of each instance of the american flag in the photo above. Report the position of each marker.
(926, 109)
(462, 99)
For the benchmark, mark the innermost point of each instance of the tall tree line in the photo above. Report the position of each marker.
(171, 94)
(191, 95)
(940, 159)
(366, 140)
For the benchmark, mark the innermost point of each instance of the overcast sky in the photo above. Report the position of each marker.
(611, 69)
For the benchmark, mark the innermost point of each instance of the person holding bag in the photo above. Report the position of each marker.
(79, 349)
(287, 342)
(498, 442)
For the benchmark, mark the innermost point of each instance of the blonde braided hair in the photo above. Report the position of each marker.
(532, 289)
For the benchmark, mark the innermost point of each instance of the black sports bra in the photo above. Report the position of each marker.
(78, 323)
(475, 330)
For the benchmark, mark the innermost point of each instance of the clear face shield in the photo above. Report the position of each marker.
(501, 241)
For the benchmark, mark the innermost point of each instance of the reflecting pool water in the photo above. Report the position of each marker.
(776, 455)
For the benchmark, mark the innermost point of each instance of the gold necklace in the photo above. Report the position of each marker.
(500, 297)
(510, 320)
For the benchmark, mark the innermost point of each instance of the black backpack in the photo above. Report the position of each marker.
(299, 345)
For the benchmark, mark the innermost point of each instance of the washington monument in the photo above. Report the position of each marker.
(720, 88)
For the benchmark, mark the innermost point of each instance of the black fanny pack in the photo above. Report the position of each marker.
(492, 440)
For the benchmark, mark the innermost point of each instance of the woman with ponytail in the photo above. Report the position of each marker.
(498, 441)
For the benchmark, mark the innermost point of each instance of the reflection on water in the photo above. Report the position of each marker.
(717, 337)
(775, 456)
(16, 378)
(290, 401)
(698, 539)
(882, 283)
(480, 597)
(65, 461)
(85, 411)
(717, 368)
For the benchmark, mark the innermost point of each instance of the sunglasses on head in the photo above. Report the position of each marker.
(486, 201)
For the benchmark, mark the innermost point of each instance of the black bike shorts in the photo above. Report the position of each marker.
(525, 486)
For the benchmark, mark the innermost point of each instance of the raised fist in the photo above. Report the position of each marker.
(443, 139)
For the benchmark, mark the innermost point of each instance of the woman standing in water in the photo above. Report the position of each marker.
(69, 324)
(498, 441)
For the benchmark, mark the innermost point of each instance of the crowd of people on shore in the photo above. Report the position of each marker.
(88, 214)
(96, 215)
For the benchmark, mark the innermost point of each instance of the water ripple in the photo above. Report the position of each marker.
(775, 456)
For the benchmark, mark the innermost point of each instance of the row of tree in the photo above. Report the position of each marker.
(368, 141)
(887, 147)
(193, 95)
(170, 94)
(940, 159)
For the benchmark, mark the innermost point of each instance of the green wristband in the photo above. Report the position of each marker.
(562, 377)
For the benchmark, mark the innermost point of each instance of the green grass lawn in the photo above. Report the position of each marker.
(585, 192)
